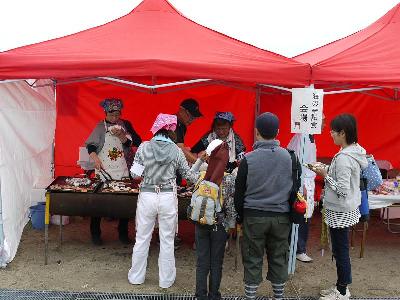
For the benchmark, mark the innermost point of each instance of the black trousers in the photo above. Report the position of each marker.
(303, 236)
(95, 229)
(210, 250)
(340, 251)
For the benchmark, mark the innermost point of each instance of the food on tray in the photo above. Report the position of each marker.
(78, 181)
(309, 166)
(388, 187)
(313, 166)
(116, 186)
(73, 184)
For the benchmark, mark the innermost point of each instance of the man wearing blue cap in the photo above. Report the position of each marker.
(262, 191)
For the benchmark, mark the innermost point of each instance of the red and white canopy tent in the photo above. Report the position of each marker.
(152, 58)
(360, 74)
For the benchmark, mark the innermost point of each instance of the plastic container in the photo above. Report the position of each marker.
(37, 213)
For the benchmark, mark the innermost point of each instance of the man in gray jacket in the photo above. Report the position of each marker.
(262, 190)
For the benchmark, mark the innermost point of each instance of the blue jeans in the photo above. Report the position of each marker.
(303, 237)
(340, 251)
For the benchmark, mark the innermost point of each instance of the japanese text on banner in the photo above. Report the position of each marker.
(306, 113)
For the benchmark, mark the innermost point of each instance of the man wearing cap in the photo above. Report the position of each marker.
(109, 146)
(262, 190)
(187, 113)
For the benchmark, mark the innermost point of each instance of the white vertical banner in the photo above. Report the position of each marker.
(306, 113)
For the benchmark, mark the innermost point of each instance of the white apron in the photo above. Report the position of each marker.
(112, 157)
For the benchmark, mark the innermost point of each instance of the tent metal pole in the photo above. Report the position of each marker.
(353, 90)
(130, 87)
(181, 88)
(12, 80)
(53, 147)
(277, 87)
(2, 251)
(257, 108)
(235, 86)
(378, 96)
(156, 86)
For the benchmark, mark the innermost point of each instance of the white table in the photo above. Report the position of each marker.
(384, 202)
(381, 201)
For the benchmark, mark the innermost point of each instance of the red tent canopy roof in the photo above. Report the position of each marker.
(152, 40)
(369, 56)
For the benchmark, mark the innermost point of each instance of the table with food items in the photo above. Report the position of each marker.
(387, 198)
(385, 195)
(84, 196)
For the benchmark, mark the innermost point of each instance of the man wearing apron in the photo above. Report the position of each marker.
(107, 146)
(306, 151)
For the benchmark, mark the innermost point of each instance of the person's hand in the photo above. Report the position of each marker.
(97, 162)
(204, 156)
(119, 133)
(320, 170)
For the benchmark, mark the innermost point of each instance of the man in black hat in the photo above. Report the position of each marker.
(262, 189)
(187, 113)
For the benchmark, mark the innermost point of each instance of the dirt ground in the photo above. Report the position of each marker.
(80, 266)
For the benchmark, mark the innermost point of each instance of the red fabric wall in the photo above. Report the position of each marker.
(78, 111)
(378, 123)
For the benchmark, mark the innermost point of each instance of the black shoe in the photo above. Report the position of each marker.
(124, 239)
(96, 240)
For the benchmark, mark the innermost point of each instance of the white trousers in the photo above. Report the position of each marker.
(149, 206)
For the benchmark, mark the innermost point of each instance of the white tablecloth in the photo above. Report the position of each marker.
(380, 201)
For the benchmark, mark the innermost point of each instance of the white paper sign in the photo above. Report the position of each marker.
(306, 114)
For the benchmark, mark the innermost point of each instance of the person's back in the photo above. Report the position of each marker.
(161, 160)
(269, 178)
(262, 189)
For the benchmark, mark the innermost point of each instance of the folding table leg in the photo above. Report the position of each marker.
(61, 233)
(46, 227)
(388, 221)
(364, 238)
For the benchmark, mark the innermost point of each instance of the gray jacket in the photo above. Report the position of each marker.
(269, 177)
(161, 160)
(342, 185)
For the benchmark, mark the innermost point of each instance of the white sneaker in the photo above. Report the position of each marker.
(333, 294)
(304, 257)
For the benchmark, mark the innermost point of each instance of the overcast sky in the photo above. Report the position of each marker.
(287, 27)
